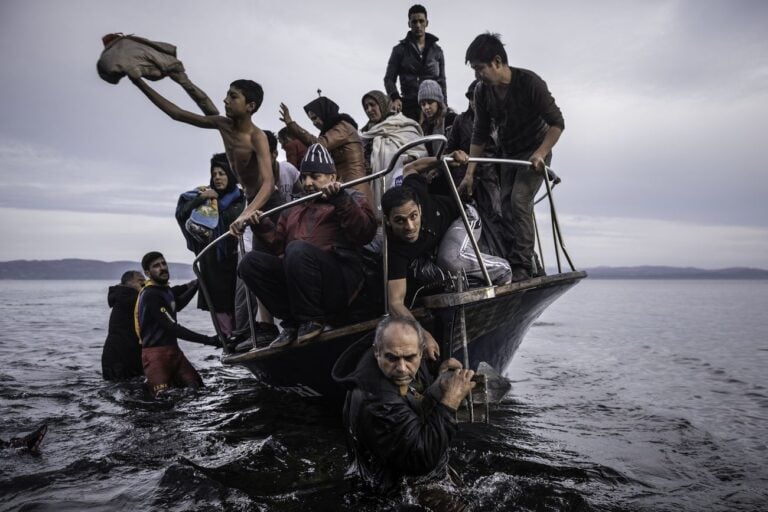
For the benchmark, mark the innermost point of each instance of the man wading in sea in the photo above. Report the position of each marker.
(121, 356)
(165, 365)
(399, 420)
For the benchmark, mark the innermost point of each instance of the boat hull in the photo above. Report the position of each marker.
(496, 321)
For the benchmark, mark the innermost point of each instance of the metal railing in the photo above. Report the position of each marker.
(558, 241)
(296, 202)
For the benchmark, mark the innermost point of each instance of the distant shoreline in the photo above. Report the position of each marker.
(80, 269)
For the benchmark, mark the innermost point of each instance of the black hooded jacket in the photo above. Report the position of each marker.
(414, 67)
(121, 357)
(391, 436)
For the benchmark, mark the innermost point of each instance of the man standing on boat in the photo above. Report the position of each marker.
(399, 419)
(426, 232)
(416, 58)
(165, 365)
(311, 270)
(514, 106)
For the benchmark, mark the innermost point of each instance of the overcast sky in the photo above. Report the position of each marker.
(663, 158)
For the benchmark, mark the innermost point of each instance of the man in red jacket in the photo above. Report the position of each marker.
(311, 270)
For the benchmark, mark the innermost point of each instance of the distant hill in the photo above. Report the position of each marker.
(95, 269)
(81, 269)
(659, 272)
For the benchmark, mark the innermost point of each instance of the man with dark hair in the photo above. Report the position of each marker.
(244, 143)
(399, 419)
(416, 58)
(516, 105)
(423, 226)
(165, 365)
(121, 355)
(311, 270)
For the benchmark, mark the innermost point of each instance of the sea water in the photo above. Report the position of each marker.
(627, 395)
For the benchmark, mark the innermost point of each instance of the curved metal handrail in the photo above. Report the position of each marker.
(559, 243)
(556, 233)
(196, 262)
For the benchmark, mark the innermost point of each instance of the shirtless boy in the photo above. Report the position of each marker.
(245, 144)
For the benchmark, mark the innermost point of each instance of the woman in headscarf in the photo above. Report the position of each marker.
(338, 133)
(204, 214)
(384, 134)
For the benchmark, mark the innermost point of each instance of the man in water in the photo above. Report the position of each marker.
(121, 356)
(399, 420)
(245, 143)
(515, 105)
(416, 58)
(165, 365)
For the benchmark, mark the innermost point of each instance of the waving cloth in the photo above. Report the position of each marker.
(139, 57)
(387, 137)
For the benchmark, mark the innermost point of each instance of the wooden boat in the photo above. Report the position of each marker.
(476, 325)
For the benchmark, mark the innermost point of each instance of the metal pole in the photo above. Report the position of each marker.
(556, 227)
(241, 243)
(465, 220)
(538, 241)
(463, 336)
(385, 266)
(364, 179)
(206, 296)
(558, 242)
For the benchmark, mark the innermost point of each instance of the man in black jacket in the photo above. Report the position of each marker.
(399, 420)
(121, 356)
(415, 58)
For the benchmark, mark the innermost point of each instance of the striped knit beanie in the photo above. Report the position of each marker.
(318, 159)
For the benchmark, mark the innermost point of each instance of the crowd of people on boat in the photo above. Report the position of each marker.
(314, 265)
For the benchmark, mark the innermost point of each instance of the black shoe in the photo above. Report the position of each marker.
(243, 346)
(520, 274)
(239, 336)
(309, 330)
(265, 333)
(285, 338)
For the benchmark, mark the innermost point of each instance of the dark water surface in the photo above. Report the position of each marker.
(627, 395)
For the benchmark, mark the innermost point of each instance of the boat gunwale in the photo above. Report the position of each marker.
(427, 304)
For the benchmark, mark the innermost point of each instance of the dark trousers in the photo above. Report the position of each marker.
(411, 108)
(505, 198)
(307, 284)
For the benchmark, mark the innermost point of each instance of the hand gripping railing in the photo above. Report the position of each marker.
(278, 209)
(558, 240)
(559, 243)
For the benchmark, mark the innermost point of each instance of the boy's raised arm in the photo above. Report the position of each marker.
(173, 111)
